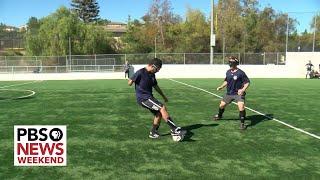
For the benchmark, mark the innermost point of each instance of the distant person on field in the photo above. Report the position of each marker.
(126, 69)
(237, 83)
(309, 69)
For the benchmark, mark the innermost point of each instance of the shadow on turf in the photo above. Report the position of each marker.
(189, 129)
(255, 119)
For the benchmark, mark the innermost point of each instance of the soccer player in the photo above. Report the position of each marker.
(237, 83)
(126, 69)
(145, 80)
(309, 69)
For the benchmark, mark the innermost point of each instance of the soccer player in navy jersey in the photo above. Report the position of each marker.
(237, 83)
(309, 70)
(144, 80)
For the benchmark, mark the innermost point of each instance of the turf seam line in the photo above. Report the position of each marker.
(19, 84)
(255, 111)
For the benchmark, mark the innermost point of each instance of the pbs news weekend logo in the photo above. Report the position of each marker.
(40, 145)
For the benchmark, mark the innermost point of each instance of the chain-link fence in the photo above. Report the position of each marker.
(12, 43)
(115, 62)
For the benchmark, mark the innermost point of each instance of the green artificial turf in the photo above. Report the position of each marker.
(108, 131)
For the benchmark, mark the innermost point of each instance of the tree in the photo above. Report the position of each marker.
(195, 35)
(87, 10)
(31, 37)
(315, 25)
(54, 32)
(160, 16)
(139, 37)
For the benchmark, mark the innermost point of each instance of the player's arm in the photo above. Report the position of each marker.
(157, 88)
(135, 78)
(245, 87)
(224, 84)
(130, 82)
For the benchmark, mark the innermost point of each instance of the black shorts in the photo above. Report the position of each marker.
(229, 98)
(152, 104)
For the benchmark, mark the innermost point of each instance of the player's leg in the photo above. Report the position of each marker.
(224, 102)
(125, 74)
(156, 106)
(242, 112)
(155, 126)
(306, 75)
(166, 117)
(222, 106)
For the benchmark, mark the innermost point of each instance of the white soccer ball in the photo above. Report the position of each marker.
(177, 138)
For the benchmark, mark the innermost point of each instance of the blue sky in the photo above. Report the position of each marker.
(17, 12)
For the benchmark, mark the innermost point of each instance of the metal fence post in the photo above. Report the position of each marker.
(264, 58)
(95, 62)
(184, 58)
(277, 58)
(70, 63)
(36, 63)
(66, 63)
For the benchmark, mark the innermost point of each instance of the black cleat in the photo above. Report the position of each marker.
(216, 117)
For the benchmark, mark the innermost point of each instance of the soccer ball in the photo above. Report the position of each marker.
(177, 138)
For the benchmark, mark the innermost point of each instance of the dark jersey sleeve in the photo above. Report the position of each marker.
(136, 76)
(245, 78)
(155, 82)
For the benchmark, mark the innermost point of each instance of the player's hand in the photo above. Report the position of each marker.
(240, 92)
(219, 88)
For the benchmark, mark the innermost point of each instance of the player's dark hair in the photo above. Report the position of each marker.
(156, 62)
(234, 59)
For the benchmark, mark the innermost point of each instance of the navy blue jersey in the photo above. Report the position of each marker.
(144, 81)
(235, 81)
(309, 66)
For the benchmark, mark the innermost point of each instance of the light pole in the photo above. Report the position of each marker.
(287, 34)
(212, 35)
(155, 47)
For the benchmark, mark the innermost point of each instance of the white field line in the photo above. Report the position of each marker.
(250, 109)
(31, 93)
(20, 84)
